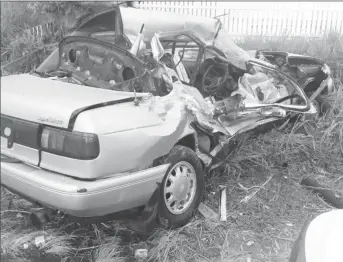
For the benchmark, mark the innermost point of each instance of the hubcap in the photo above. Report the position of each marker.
(180, 187)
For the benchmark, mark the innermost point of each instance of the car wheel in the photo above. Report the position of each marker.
(182, 186)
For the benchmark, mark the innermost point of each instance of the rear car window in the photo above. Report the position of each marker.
(101, 23)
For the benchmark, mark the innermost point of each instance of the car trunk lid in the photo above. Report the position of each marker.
(51, 102)
(28, 102)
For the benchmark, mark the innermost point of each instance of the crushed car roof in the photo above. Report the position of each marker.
(209, 30)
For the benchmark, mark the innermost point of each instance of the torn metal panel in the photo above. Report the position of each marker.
(326, 83)
(205, 158)
(234, 126)
(172, 113)
(208, 31)
(157, 21)
(207, 212)
(300, 67)
(235, 55)
(260, 89)
(182, 102)
(222, 201)
(279, 79)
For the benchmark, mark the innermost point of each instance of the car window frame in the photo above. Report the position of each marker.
(295, 108)
(201, 52)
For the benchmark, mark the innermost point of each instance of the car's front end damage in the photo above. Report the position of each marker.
(94, 129)
(308, 71)
(311, 73)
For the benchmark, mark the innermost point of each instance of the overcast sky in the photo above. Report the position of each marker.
(283, 5)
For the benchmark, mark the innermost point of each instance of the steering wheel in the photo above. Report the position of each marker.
(212, 79)
(287, 98)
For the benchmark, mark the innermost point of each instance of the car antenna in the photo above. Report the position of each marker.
(135, 101)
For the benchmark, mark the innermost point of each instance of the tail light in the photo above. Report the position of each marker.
(73, 144)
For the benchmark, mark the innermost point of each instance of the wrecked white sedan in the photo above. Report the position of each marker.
(99, 126)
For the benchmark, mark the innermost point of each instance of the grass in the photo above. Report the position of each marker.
(19, 16)
(262, 228)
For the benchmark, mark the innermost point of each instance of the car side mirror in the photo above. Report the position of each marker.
(156, 48)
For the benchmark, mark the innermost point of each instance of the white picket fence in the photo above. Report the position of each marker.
(40, 31)
(268, 22)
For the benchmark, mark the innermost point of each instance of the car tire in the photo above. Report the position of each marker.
(185, 172)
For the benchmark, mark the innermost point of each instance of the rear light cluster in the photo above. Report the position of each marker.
(71, 144)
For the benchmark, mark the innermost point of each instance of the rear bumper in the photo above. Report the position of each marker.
(78, 197)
